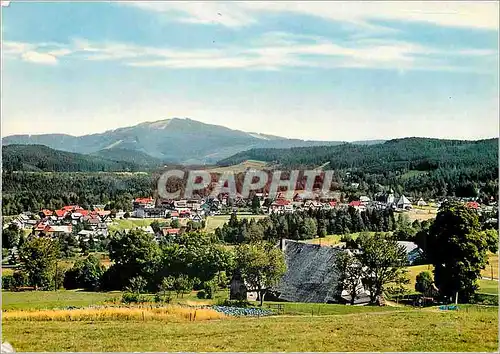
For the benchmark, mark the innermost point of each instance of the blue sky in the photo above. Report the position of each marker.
(311, 70)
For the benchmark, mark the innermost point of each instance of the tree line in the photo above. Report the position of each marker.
(302, 225)
(35, 191)
(418, 167)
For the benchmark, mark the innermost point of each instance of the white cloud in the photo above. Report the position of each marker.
(39, 58)
(226, 14)
(270, 52)
(41, 53)
(468, 14)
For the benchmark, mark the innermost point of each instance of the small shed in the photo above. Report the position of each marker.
(421, 202)
(238, 289)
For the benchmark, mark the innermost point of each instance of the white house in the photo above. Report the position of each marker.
(421, 202)
(364, 199)
(403, 203)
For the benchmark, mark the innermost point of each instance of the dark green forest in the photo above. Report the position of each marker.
(42, 158)
(36, 176)
(415, 166)
(33, 191)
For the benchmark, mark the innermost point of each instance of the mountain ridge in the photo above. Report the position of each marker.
(172, 140)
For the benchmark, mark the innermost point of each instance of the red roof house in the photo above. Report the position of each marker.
(281, 202)
(46, 212)
(473, 205)
(71, 207)
(40, 227)
(170, 231)
(355, 203)
(143, 200)
(61, 213)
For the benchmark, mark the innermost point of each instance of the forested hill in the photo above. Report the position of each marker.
(42, 158)
(423, 154)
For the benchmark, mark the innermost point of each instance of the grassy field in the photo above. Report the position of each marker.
(7, 271)
(488, 287)
(328, 240)
(491, 268)
(421, 214)
(241, 167)
(412, 173)
(311, 309)
(213, 222)
(123, 224)
(332, 239)
(485, 286)
(31, 300)
(473, 329)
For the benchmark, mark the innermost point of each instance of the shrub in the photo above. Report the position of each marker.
(423, 282)
(202, 295)
(162, 298)
(8, 282)
(485, 299)
(130, 298)
(210, 288)
(21, 278)
(137, 284)
(349, 241)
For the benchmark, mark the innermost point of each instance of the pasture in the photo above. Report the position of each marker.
(33, 300)
(241, 167)
(330, 240)
(422, 213)
(485, 286)
(213, 222)
(131, 223)
(469, 329)
(491, 269)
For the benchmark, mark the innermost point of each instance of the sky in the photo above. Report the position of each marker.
(310, 70)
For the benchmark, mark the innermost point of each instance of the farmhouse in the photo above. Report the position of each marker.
(281, 206)
(364, 199)
(57, 230)
(310, 277)
(313, 204)
(170, 231)
(358, 205)
(143, 203)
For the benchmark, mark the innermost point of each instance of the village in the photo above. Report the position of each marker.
(97, 222)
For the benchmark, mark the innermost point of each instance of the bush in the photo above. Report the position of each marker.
(485, 299)
(114, 278)
(59, 276)
(163, 298)
(202, 295)
(349, 241)
(423, 282)
(8, 282)
(210, 288)
(20, 278)
(137, 284)
(130, 298)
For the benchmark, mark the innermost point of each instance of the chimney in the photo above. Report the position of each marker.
(282, 244)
